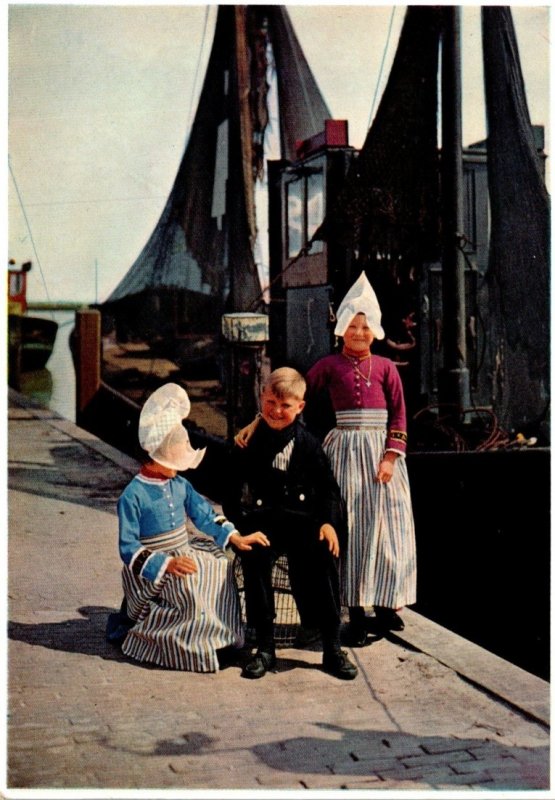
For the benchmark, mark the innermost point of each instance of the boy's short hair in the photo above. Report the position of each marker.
(286, 382)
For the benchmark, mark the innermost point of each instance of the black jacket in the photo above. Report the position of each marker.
(306, 493)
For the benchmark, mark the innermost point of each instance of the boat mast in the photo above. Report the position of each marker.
(454, 383)
(242, 57)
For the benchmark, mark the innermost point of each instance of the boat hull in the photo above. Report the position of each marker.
(31, 342)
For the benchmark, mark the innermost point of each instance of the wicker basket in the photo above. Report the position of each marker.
(287, 619)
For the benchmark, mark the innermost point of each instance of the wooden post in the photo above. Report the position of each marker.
(231, 401)
(88, 357)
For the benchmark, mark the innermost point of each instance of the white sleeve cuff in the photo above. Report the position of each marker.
(393, 450)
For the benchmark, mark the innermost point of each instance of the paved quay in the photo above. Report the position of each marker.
(428, 711)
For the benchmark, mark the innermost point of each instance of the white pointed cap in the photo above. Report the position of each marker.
(161, 432)
(360, 299)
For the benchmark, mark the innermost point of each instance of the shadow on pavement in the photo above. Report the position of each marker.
(84, 635)
(396, 755)
(392, 755)
(78, 475)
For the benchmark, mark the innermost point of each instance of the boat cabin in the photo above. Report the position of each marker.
(309, 279)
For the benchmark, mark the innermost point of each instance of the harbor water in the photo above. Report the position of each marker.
(54, 386)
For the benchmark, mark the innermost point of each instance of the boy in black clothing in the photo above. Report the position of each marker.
(282, 485)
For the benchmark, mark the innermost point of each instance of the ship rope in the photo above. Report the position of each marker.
(378, 81)
(302, 252)
(150, 373)
(26, 218)
(197, 70)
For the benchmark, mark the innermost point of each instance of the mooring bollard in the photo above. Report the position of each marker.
(246, 335)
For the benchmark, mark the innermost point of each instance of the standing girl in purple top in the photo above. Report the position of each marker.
(366, 449)
(367, 453)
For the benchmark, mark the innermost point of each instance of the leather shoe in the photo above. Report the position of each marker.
(259, 664)
(227, 656)
(389, 620)
(337, 664)
(355, 636)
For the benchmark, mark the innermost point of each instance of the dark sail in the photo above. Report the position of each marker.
(389, 204)
(519, 245)
(199, 260)
(388, 214)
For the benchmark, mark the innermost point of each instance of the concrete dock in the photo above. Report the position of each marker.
(429, 711)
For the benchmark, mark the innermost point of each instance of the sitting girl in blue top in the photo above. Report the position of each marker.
(179, 588)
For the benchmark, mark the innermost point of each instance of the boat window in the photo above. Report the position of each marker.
(16, 283)
(295, 217)
(305, 210)
(314, 208)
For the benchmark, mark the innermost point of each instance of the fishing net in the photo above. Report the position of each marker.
(388, 206)
(518, 274)
(202, 246)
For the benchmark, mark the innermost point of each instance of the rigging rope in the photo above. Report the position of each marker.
(302, 252)
(30, 232)
(154, 358)
(386, 48)
(201, 51)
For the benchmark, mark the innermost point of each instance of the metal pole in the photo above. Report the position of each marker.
(454, 383)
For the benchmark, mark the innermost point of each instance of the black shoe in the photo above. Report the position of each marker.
(355, 635)
(227, 656)
(117, 628)
(388, 619)
(337, 664)
(259, 664)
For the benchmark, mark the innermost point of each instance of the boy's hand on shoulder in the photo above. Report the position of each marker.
(244, 436)
(246, 542)
(241, 438)
(327, 533)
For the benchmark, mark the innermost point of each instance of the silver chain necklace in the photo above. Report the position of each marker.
(357, 371)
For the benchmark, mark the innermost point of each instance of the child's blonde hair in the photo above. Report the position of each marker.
(286, 382)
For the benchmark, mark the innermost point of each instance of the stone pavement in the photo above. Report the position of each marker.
(428, 711)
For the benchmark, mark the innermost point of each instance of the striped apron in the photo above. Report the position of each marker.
(379, 565)
(182, 621)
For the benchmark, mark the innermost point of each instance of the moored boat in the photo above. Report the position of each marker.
(31, 339)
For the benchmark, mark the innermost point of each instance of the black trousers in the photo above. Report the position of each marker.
(313, 575)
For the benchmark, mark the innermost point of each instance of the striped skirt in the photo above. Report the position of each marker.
(181, 622)
(379, 564)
